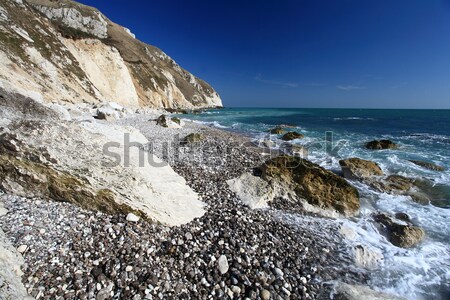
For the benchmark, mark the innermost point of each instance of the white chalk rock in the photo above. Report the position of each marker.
(132, 218)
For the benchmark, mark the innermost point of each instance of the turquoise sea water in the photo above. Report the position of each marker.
(419, 273)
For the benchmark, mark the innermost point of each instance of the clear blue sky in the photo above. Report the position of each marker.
(315, 53)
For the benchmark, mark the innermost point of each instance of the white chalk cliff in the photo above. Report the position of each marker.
(71, 53)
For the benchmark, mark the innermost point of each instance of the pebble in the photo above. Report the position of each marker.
(22, 248)
(132, 218)
(265, 294)
(223, 264)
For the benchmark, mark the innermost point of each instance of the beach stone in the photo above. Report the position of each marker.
(343, 291)
(222, 264)
(318, 186)
(381, 145)
(292, 135)
(428, 165)
(132, 218)
(22, 248)
(265, 294)
(356, 168)
(168, 122)
(277, 130)
(400, 235)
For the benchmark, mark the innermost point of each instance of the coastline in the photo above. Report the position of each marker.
(264, 251)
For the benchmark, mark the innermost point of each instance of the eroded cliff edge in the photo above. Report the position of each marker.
(68, 52)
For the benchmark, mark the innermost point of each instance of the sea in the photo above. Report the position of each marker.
(422, 272)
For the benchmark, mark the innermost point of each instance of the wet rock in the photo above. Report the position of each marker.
(319, 187)
(292, 135)
(357, 169)
(343, 291)
(400, 235)
(381, 145)
(428, 165)
(402, 217)
(277, 130)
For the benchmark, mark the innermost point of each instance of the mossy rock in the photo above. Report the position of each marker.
(292, 135)
(276, 130)
(400, 235)
(28, 178)
(318, 186)
(356, 168)
(381, 145)
(193, 138)
(176, 120)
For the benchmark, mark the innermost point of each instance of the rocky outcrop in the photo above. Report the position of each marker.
(68, 52)
(11, 286)
(404, 235)
(319, 187)
(381, 145)
(358, 169)
(428, 165)
(292, 135)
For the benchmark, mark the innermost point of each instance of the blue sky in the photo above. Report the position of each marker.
(316, 53)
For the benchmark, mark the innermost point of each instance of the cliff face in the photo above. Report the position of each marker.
(69, 52)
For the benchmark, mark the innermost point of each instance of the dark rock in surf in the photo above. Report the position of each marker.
(356, 168)
(400, 235)
(292, 135)
(427, 165)
(381, 145)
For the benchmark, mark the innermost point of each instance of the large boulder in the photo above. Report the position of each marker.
(319, 187)
(356, 168)
(381, 145)
(251, 190)
(399, 233)
(427, 165)
(400, 185)
(292, 135)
